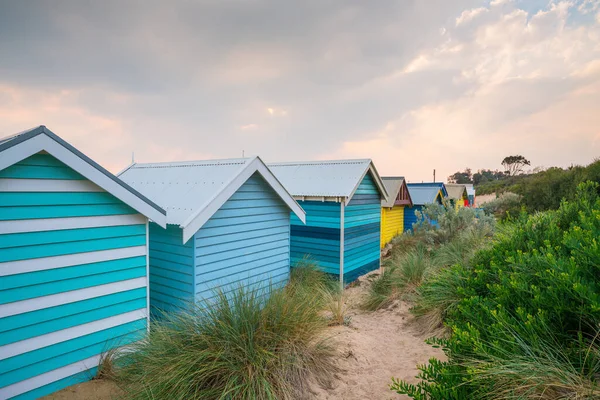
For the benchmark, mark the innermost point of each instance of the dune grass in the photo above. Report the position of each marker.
(241, 345)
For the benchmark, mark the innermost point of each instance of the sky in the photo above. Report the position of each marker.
(415, 85)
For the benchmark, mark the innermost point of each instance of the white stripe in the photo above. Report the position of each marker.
(38, 342)
(148, 274)
(48, 185)
(41, 264)
(53, 224)
(38, 303)
(52, 376)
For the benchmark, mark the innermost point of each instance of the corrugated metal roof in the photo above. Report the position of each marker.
(192, 191)
(182, 187)
(439, 185)
(337, 178)
(455, 191)
(470, 189)
(421, 195)
(392, 185)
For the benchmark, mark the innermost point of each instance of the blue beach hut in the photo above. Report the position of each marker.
(421, 194)
(228, 223)
(342, 200)
(73, 264)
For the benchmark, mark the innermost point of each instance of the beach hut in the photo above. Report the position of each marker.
(422, 194)
(342, 200)
(73, 264)
(392, 209)
(470, 194)
(228, 224)
(457, 194)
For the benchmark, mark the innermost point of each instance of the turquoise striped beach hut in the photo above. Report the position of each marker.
(228, 225)
(342, 200)
(73, 264)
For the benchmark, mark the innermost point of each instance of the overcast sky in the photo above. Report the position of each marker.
(413, 84)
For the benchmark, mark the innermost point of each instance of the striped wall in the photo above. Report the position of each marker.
(319, 239)
(73, 277)
(362, 224)
(392, 223)
(247, 241)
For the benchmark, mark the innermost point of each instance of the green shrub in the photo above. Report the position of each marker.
(241, 345)
(525, 314)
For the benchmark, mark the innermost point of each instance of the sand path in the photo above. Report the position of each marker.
(374, 348)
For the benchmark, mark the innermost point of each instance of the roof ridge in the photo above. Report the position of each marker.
(321, 162)
(196, 163)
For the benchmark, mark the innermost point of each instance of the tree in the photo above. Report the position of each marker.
(513, 165)
(487, 175)
(461, 177)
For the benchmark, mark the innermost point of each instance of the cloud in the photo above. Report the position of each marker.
(414, 85)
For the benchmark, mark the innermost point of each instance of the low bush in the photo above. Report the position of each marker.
(241, 345)
(524, 314)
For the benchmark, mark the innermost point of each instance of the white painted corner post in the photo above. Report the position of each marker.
(148, 275)
(342, 208)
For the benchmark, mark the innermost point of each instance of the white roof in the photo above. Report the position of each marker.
(27, 143)
(192, 191)
(338, 178)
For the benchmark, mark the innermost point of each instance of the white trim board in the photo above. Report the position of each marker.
(54, 224)
(43, 142)
(49, 339)
(47, 185)
(36, 264)
(211, 206)
(39, 303)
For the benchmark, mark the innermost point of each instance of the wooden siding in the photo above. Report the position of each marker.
(66, 295)
(362, 230)
(410, 217)
(319, 239)
(246, 242)
(392, 223)
(171, 269)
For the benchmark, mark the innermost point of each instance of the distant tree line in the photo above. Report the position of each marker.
(539, 190)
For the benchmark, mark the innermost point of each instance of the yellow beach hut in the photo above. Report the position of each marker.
(457, 194)
(392, 209)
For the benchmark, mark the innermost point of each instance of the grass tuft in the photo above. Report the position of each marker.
(241, 345)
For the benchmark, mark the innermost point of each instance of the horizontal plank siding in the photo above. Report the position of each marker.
(362, 230)
(73, 277)
(246, 242)
(319, 240)
(171, 269)
(410, 217)
(392, 223)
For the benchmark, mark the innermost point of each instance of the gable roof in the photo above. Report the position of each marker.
(456, 191)
(392, 185)
(330, 179)
(192, 191)
(470, 189)
(422, 195)
(27, 143)
(439, 185)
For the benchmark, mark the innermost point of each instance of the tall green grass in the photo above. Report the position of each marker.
(241, 345)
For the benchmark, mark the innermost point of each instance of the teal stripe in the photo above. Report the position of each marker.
(36, 323)
(69, 235)
(14, 213)
(62, 360)
(58, 385)
(43, 160)
(58, 198)
(17, 171)
(58, 249)
(76, 271)
(68, 346)
(33, 291)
